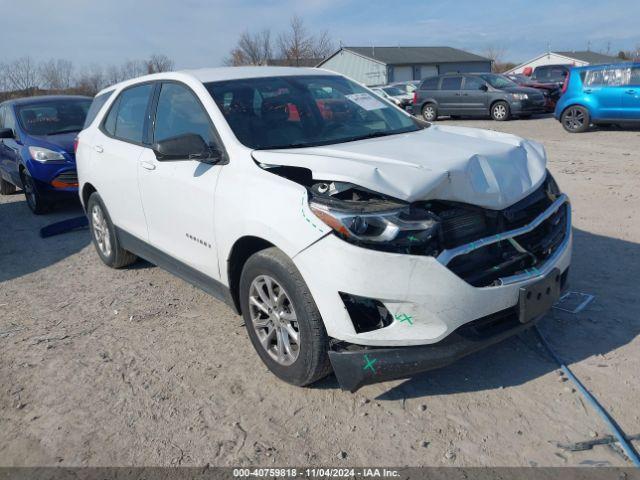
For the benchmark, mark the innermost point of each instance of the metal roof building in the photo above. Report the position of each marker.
(382, 65)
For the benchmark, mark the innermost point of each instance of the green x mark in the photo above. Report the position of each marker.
(403, 317)
(370, 363)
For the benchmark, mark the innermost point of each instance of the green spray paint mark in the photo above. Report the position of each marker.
(369, 364)
(403, 317)
(304, 215)
(411, 238)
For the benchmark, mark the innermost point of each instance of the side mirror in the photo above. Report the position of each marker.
(484, 88)
(6, 133)
(189, 146)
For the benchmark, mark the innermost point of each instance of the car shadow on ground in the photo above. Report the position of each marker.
(22, 250)
(605, 267)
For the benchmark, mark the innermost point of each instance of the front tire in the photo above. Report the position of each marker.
(430, 112)
(576, 119)
(500, 111)
(34, 199)
(6, 188)
(282, 320)
(103, 235)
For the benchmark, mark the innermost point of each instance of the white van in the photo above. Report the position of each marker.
(346, 232)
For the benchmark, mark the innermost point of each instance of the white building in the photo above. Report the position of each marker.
(578, 59)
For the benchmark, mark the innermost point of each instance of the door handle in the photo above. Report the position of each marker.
(630, 92)
(148, 165)
(588, 90)
(98, 148)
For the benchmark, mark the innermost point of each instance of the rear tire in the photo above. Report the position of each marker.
(103, 235)
(575, 119)
(500, 111)
(276, 303)
(34, 199)
(6, 188)
(430, 112)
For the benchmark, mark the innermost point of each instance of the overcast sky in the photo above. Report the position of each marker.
(198, 33)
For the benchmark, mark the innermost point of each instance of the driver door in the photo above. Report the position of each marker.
(178, 195)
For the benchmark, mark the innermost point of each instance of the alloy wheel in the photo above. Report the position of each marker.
(499, 111)
(100, 230)
(30, 191)
(274, 320)
(574, 119)
(429, 113)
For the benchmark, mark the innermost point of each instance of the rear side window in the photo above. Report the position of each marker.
(635, 76)
(451, 83)
(126, 117)
(430, 84)
(95, 107)
(179, 112)
(610, 77)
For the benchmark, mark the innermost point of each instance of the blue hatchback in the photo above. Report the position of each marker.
(600, 94)
(37, 147)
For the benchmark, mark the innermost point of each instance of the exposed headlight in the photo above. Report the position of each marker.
(552, 187)
(40, 154)
(519, 96)
(395, 228)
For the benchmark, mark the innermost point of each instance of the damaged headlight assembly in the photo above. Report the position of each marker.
(360, 217)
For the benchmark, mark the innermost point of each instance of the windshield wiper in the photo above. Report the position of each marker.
(66, 130)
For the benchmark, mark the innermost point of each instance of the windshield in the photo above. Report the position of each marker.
(394, 91)
(305, 111)
(53, 117)
(498, 81)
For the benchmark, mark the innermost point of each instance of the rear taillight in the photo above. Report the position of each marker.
(565, 85)
(415, 98)
(75, 145)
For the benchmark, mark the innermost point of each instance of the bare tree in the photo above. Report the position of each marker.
(133, 69)
(159, 63)
(91, 80)
(251, 49)
(496, 53)
(56, 74)
(21, 74)
(322, 46)
(295, 44)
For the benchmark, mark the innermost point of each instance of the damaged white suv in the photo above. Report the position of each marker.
(347, 233)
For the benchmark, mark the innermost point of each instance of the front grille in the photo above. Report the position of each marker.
(488, 264)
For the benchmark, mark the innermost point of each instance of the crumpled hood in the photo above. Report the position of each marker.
(480, 167)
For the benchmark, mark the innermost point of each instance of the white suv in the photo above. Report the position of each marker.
(346, 232)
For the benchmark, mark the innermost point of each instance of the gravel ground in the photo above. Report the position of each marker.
(136, 367)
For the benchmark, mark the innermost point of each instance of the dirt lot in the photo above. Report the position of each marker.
(136, 367)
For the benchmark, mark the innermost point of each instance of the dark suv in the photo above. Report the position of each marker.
(477, 95)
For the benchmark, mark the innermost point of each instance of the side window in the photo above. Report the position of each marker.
(2, 109)
(634, 78)
(611, 77)
(473, 83)
(95, 107)
(430, 84)
(451, 83)
(126, 117)
(179, 112)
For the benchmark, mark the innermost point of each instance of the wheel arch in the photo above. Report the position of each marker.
(576, 104)
(87, 190)
(240, 252)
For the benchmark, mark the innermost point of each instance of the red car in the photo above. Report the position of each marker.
(550, 90)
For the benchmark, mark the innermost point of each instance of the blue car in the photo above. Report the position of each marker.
(600, 95)
(37, 147)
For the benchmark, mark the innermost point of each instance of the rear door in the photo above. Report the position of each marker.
(474, 96)
(178, 195)
(604, 90)
(118, 145)
(449, 97)
(631, 96)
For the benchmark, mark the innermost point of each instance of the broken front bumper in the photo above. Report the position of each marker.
(356, 366)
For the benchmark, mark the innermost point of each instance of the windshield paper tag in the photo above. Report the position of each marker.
(366, 101)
